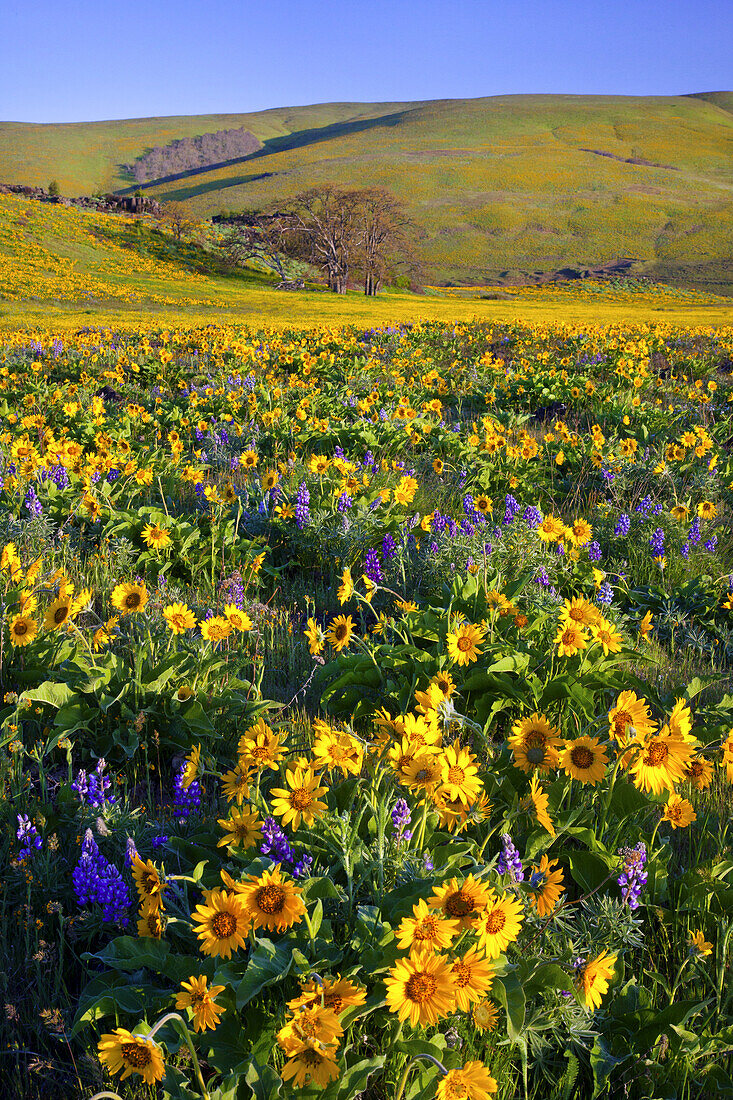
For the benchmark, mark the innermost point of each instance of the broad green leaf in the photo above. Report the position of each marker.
(269, 963)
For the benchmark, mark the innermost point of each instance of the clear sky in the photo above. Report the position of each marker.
(77, 60)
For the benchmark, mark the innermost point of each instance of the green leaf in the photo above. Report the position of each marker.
(548, 976)
(588, 870)
(264, 1083)
(509, 993)
(270, 963)
(177, 1086)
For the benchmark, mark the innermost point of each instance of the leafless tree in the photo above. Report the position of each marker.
(387, 238)
(178, 217)
(325, 221)
(260, 237)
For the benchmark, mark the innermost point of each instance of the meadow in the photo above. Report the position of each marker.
(366, 718)
(502, 184)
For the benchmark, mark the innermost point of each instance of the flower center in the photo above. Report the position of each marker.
(132, 600)
(301, 799)
(271, 899)
(421, 987)
(536, 754)
(582, 757)
(427, 929)
(456, 775)
(20, 629)
(136, 1054)
(465, 643)
(60, 614)
(460, 904)
(495, 922)
(340, 632)
(224, 925)
(577, 614)
(462, 974)
(696, 769)
(656, 755)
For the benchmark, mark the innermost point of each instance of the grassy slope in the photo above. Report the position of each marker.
(62, 268)
(498, 184)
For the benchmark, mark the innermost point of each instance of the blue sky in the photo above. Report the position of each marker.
(76, 60)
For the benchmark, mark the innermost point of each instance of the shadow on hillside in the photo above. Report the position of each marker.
(273, 145)
(182, 193)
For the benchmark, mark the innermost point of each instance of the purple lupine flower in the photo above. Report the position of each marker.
(275, 842)
(656, 542)
(532, 516)
(389, 547)
(604, 595)
(594, 551)
(29, 837)
(509, 860)
(185, 799)
(302, 502)
(623, 524)
(633, 876)
(694, 535)
(372, 566)
(511, 507)
(96, 881)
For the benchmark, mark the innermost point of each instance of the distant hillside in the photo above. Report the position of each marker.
(502, 187)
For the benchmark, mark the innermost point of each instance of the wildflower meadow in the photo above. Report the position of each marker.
(366, 711)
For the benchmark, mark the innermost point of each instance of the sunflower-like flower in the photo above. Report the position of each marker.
(259, 747)
(679, 722)
(727, 748)
(129, 598)
(311, 1066)
(464, 642)
(337, 993)
(422, 774)
(22, 630)
(610, 639)
(235, 784)
(316, 637)
(678, 812)
(425, 929)
(340, 631)
(473, 976)
(216, 629)
(58, 612)
(545, 886)
(150, 923)
(334, 749)
(300, 800)
(535, 744)
(125, 1053)
(221, 923)
(459, 775)
(499, 924)
(630, 717)
(311, 1025)
(536, 803)
(570, 639)
(271, 901)
(346, 590)
(699, 945)
(420, 987)
(471, 1081)
(238, 619)
(155, 537)
(197, 995)
(485, 1016)
(179, 618)
(242, 829)
(699, 772)
(584, 759)
(661, 762)
(593, 978)
(461, 901)
(150, 886)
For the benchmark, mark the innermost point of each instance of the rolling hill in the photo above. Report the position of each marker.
(502, 187)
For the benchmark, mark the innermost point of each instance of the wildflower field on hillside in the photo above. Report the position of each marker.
(366, 712)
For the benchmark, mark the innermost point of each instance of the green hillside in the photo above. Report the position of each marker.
(502, 187)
